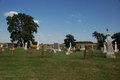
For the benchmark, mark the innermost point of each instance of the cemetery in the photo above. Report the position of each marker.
(51, 62)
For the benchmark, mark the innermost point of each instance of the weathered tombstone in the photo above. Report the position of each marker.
(56, 47)
(64, 46)
(92, 48)
(70, 45)
(2, 47)
(38, 45)
(116, 50)
(105, 50)
(82, 47)
(110, 52)
(12, 47)
(68, 52)
(25, 48)
(6, 45)
(18, 46)
(0, 50)
(23, 45)
(49, 47)
(74, 48)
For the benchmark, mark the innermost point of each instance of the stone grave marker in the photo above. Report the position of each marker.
(38, 45)
(116, 50)
(12, 47)
(56, 47)
(110, 52)
(6, 45)
(25, 48)
(82, 47)
(104, 50)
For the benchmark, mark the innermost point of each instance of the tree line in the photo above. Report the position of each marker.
(22, 27)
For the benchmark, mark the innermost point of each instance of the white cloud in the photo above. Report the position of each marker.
(36, 21)
(42, 36)
(79, 20)
(75, 15)
(56, 25)
(49, 35)
(11, 13)
(72, 15)
(68, 22)
(41, 21)
(84, 30)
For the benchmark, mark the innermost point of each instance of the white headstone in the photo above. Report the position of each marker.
(68, 52)
(56, 47)
(92, 48)
(25, 48)
(38, 45)
(70, 45)
(105, 50)
(1, 45)
(116, 50)
(82, 47)
(110, 52)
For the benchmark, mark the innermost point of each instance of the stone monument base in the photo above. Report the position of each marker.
(57, 49)
(110, 55)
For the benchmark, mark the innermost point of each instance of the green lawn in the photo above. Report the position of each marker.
(57, 66)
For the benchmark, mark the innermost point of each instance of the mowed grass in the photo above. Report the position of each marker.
(57, 66)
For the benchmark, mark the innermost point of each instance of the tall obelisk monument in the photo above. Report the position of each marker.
(110, 51)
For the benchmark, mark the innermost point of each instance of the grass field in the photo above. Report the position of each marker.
(57, 66)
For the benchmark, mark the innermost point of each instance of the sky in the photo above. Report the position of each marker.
(58, 18)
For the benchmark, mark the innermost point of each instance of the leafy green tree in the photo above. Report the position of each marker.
(69, 39)
(100, 38)
(21, 27)
(116, 38)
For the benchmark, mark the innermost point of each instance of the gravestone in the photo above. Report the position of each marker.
(6, 45)
(56, 47)
(64, 46)
(2, 47)
(23, 45)
(68, 52)
(12, 47)
(49, 47)
(82, 47)
(92, 48)
(110, 52)
(105, 50)
(38, 45)
(18, 46)
(25, 48)
(116, 50)
(70, 45)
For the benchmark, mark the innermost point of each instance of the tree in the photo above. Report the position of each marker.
(69, 39)
(116, 38)
(21, 27)
(100, 38)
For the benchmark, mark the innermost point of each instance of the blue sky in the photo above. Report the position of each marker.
(57, 18)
